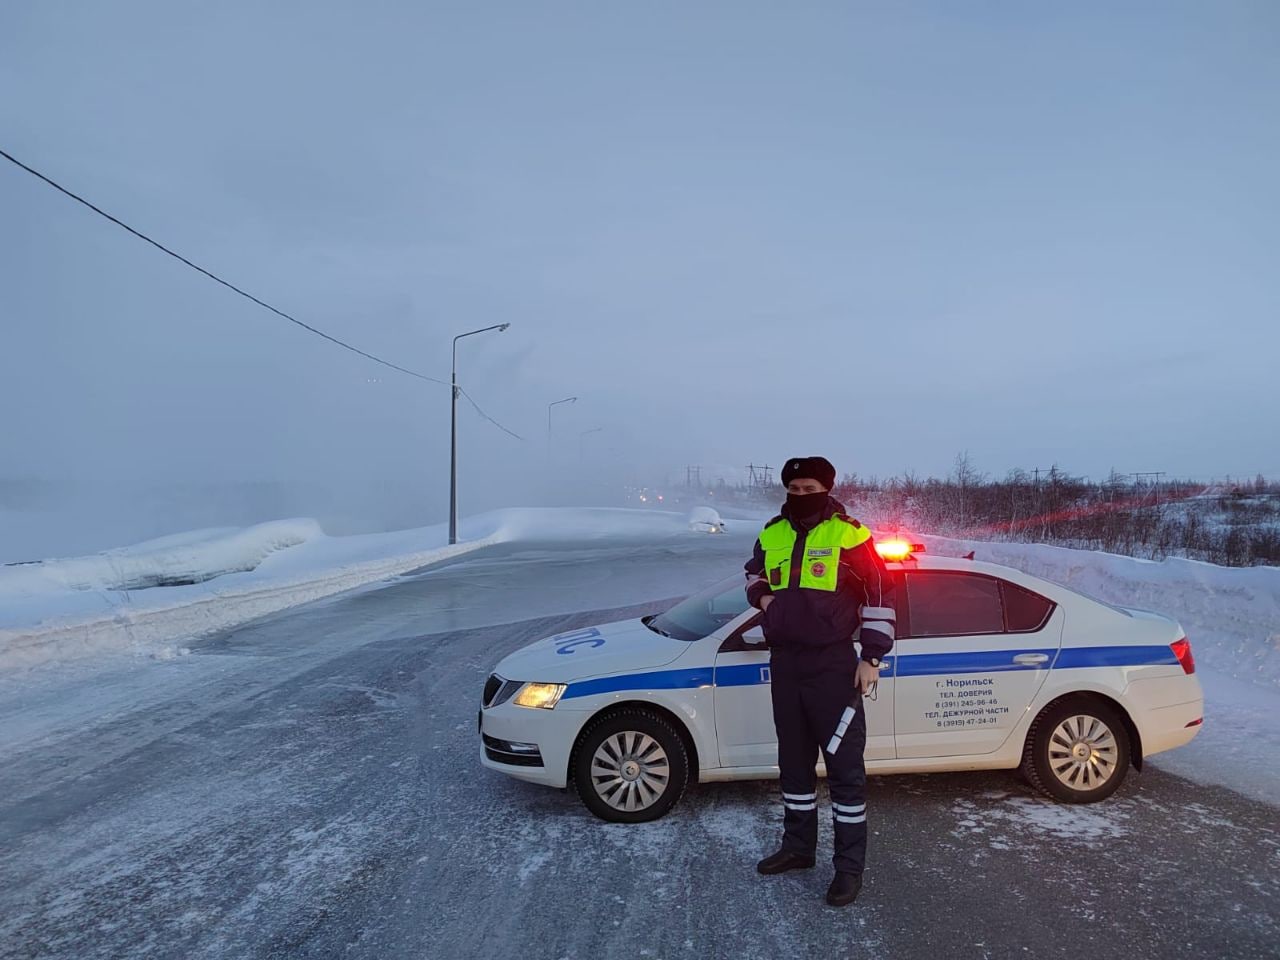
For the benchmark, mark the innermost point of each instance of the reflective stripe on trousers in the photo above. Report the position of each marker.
(812, 701)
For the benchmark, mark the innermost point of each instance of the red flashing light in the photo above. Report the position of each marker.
(1182, 650)
(897, 549)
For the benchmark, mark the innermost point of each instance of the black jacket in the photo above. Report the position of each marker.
(812, 620)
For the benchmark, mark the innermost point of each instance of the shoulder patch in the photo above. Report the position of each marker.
(770, 523)
(849, 520)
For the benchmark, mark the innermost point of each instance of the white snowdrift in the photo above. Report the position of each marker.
(1231, 614)
(117, 600)
(192, 557)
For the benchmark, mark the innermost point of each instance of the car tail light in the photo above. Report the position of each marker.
(1182, 650)
(1196, 722)
(897, 549)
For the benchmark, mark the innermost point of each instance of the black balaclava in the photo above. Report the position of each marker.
(806, 508)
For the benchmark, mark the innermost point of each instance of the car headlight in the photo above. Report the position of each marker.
(544, 695)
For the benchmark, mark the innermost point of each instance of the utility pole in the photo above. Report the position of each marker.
(453, 430)
(1152, 475)
(1038, 509)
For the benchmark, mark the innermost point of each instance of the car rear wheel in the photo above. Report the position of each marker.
(1077, 750)
(630, 766)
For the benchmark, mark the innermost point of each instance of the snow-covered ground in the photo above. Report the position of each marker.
(152, 597)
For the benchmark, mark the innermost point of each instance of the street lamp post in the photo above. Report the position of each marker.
(453, 431)
(549, 406)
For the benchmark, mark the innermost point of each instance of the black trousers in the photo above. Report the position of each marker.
(816, 706)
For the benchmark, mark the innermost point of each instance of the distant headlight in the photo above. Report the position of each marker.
(544, 695)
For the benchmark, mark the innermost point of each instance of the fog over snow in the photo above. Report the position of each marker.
(735, 233)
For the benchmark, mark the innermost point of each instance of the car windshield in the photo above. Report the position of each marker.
(704, 612)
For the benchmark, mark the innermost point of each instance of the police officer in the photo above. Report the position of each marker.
(816, 576)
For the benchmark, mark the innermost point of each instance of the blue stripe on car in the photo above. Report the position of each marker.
(658, 680)
(1115, 656)
(742, 674)
(979, 661)
(910, 665)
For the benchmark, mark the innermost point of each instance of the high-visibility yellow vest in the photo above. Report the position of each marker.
(820, 557)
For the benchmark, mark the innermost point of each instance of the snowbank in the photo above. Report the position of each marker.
(1231, 614)
(165, 591)
(183, 558)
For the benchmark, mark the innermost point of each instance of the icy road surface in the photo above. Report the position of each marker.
(308, 786)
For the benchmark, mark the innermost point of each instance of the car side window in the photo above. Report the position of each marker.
(1024, 611)
(953, 604)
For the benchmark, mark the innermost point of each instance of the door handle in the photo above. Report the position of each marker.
(1030, 659)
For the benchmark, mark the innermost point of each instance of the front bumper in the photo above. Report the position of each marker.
(528, 743)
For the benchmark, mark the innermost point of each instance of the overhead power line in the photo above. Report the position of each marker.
(486, 416)
(217, 279)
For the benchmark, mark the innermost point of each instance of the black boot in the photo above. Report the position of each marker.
(782, 861)
(844, 889)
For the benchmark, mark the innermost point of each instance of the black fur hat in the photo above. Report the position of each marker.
(810, 468)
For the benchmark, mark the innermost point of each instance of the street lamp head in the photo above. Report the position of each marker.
(503, 326)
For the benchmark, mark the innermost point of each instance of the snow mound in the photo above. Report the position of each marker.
(181, 559)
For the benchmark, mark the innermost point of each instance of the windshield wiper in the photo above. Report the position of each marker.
(648, 622)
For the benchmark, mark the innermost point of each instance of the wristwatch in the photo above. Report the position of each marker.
(874, 661)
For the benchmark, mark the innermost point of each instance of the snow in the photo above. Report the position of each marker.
(191, 557)
(1239, 744)
(1004, 821)
(62, 609)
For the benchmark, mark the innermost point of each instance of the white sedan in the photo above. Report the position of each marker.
(993, 669)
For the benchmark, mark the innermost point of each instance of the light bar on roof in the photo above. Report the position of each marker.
(895, 548)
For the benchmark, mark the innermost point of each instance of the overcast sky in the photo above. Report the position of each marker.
(738, 232)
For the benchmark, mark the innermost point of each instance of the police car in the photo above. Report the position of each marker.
(993, 669)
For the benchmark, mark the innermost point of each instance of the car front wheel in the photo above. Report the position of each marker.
(630, 766)
(1077, 751)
